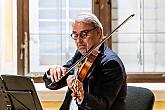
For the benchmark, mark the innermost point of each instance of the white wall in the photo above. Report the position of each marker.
(8, 37)
(1, 34)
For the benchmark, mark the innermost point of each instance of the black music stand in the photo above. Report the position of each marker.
(18, 93)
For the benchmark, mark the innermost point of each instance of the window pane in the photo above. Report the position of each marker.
(50, 29)
(140, 42)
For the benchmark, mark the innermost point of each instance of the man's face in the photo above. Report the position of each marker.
(87, 37)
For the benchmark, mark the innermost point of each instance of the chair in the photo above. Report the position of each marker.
(139, 98)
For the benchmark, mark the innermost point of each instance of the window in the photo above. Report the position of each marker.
(140, 43)
(50, 24)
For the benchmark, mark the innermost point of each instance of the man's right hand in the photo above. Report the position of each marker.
(57, 72)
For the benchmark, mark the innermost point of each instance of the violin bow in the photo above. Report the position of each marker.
(91, 50)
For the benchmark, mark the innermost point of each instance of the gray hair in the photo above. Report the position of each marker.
(89, 18)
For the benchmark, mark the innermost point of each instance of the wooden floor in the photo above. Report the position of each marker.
(55, 105)
(51, 105)
(159, 106)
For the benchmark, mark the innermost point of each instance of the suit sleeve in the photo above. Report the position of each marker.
(61, 83)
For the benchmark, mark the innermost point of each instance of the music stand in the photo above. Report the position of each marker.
(18, 93)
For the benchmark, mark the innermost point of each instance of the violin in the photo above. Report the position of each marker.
(91, 57)
(92, 60)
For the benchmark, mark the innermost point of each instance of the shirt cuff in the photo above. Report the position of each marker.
(79, 102)
(48, 74)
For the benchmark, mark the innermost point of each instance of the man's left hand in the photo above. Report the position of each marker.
(77, 88)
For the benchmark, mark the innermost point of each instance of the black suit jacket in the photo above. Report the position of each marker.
(105, 87)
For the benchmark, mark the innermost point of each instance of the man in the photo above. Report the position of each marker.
(105, 86)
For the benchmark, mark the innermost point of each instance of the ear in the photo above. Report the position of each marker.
(99, 32)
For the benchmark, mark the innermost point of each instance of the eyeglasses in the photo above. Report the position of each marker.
(83, 34)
